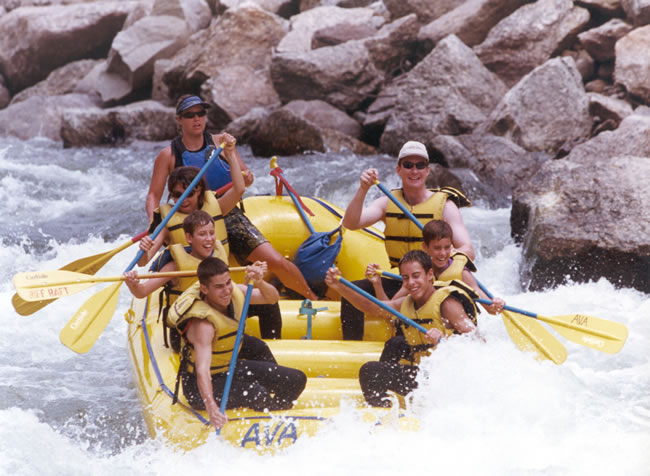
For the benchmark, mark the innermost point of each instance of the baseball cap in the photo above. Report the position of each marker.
(413, 148)
(190, 101)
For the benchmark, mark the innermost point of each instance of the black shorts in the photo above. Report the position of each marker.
(243, 236)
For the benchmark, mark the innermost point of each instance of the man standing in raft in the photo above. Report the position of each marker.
(444, 311)
(207, 316)
(401, 233)
(192, 148)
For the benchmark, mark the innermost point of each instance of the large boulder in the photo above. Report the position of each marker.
(63, 80)
(426, 10)
(632, 68)
(585, 220)
(528, 37)
(348, 74)
(470, 21)
(448, 92)
(228, 63)
(304, 25)
(134, 51)
(638, 11)
(19, 120)
(196, 13)
(325, 115)
(600, 41)
(144, 120)
(37, 40)
(546, 110)
(283, 8)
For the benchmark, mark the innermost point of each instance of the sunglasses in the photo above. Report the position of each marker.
(418, 165)
(175, 195)
(190, 115)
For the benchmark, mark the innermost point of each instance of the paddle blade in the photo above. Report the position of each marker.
(82, 331)
(48, 285)
(600, 334)
(530, 336)
(88, 265)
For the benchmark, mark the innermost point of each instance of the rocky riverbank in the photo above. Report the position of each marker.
(545, 102)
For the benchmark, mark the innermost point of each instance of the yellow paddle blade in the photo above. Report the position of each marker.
(530, 336)
(40, 285)
(82, 331)
(88, 265)
(600, 334)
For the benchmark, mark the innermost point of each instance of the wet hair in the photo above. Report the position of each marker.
(418, 256)
(436, 230)
(196, 219)
(183, 176)
(210, 267)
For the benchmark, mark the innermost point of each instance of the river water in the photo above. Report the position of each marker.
(486, 408)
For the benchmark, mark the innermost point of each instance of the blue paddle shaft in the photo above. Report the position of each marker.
(188, 190)
(400, 205)
(300, 210)
(509, 308)
(372, 298)
(235, 351)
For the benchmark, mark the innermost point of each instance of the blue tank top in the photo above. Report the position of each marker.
(217, 175)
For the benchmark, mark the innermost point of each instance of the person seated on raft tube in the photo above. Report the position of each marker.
(207, 316)
(247, 244)
(401, 234)
(200, 236)
(437, 236)
(444, 311)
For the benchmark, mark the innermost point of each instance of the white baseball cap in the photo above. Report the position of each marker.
(413, 148)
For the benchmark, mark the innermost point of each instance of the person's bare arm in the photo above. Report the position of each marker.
(358, 301)
(356, 216)
(229, 199)
(151, 247)
(142, 288)
(162, 167)
(497, 303)
(200, 334)
(462, 242)
(264, 293)
(453, 312)
(249, 178)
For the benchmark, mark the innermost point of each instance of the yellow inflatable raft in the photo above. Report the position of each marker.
(331, 365)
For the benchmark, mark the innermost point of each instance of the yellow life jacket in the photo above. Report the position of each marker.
(190, 306)
(459, 261)
(401, 234)
(186, 262)
(429, 315)
(211, 206)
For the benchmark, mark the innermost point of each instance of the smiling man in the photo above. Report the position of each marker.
(443, 311)
(401, 234)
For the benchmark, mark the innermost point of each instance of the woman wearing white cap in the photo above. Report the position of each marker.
(401, 233)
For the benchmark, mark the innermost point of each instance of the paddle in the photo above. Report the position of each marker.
(600, 334)
(44, 284)
(82, 331)
(525, 333)
(233, 359)
(88, 265)
(382, 305)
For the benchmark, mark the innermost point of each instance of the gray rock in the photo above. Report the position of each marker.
(448, 92)
(470, 21)
(340, 33)
(221, 58)
(547, 109)
(37, 40)
(637, 11)
(63, 80)
(585, 220)
(425, 10)
(196, 13)
(600, 42)
(632, 68)
(528, 37)
(609, 8)
(144, 120)
(606, 108)
(283, 8)
(19, 120)
(304, 25)
(325, 116)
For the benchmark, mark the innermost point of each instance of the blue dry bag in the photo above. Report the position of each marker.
(315, 256)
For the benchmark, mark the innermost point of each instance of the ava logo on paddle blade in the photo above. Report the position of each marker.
(78, 319)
